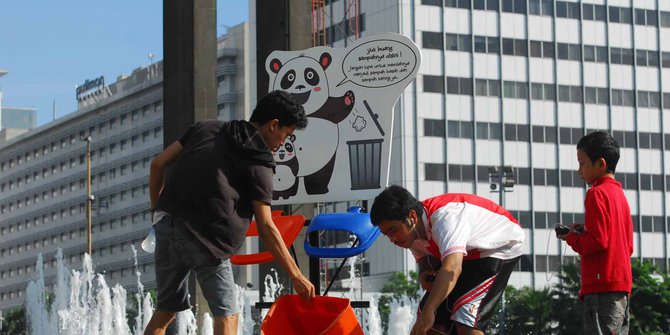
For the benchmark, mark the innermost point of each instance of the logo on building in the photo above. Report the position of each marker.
(91, 90)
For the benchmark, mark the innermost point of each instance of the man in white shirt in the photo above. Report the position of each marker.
(466, 247)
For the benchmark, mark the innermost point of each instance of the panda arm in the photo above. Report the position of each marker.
(336, 109)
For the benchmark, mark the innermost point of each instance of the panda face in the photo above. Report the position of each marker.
(305, 79)
(286, 152)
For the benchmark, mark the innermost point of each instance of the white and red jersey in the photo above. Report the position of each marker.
(469, 224)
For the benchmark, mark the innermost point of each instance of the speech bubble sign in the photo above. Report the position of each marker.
(378, 63)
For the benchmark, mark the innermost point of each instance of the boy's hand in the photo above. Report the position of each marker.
(426, 278)
(577, 228)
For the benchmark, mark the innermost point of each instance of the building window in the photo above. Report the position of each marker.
(460, 129)
(492, 5)
(435, 172)
(459, 86)
(594, 12)
(458, 42)
(543, 91)
(433, 127)
(623, 98)
(569, 93)
(517, 132)
(645, 17)
(541, 7)
(665, 61)
(665, 19)
(432, 40)
(486, 44)
(647, 58)
(595, 54)
(621, 56)
(541, 49)
(487, 87)
(648, 99)
(463, 4)
(432, 2)
(596, 95)
(463, 173)
(569, 51)
(620, 14)
(518, 90)
(433, 84)
(514, 6)
(514, 47)
(489, 131)
(568, 10)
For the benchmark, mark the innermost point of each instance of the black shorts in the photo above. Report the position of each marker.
(473, 300)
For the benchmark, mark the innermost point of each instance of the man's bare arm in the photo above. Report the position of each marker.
(157, 170)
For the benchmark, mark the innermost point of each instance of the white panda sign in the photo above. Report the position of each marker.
(348, 95)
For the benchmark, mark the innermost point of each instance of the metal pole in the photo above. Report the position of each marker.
(89, 197)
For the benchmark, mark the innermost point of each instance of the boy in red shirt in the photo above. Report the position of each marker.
(605, 240)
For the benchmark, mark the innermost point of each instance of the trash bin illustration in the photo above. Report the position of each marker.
(322, 315)
(365, 163)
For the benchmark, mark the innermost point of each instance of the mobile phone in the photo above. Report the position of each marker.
(561, 229)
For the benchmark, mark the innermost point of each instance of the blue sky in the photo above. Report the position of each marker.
(49, 46)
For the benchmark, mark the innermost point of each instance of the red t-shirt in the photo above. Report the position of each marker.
(606, 244)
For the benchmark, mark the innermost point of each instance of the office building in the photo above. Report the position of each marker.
(43, 177)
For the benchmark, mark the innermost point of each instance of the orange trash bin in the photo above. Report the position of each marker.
(320, 316)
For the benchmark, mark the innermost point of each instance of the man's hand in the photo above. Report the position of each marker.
(303, 287)
(426, 278)
(424, 323)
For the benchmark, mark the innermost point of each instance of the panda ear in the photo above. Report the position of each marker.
(325, 60)
(292, 137)
(275, 65)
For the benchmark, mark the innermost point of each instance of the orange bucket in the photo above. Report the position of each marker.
(321, 315)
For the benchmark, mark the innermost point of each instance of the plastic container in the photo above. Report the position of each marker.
(354, 221)
(289, 227)
(291, 315)
(149, 243)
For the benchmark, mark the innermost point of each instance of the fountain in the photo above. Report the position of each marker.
(83, 303)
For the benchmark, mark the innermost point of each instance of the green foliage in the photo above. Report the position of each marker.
(566, 308)
(397, 287)
(14, 322)
(649, 300)
(557, 310)
(527, 311)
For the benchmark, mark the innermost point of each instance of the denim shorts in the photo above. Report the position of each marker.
(178, 252)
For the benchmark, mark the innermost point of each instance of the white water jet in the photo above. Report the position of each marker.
(245, 320)
(372, 325)
(83, 303)
(207, 325)
(186, 323)
(402, 317)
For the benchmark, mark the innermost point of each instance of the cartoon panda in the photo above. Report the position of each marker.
(305, 79)
(285, 181)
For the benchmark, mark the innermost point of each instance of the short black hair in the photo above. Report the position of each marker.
(279, 105)
(394, 203)
(600, 144)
